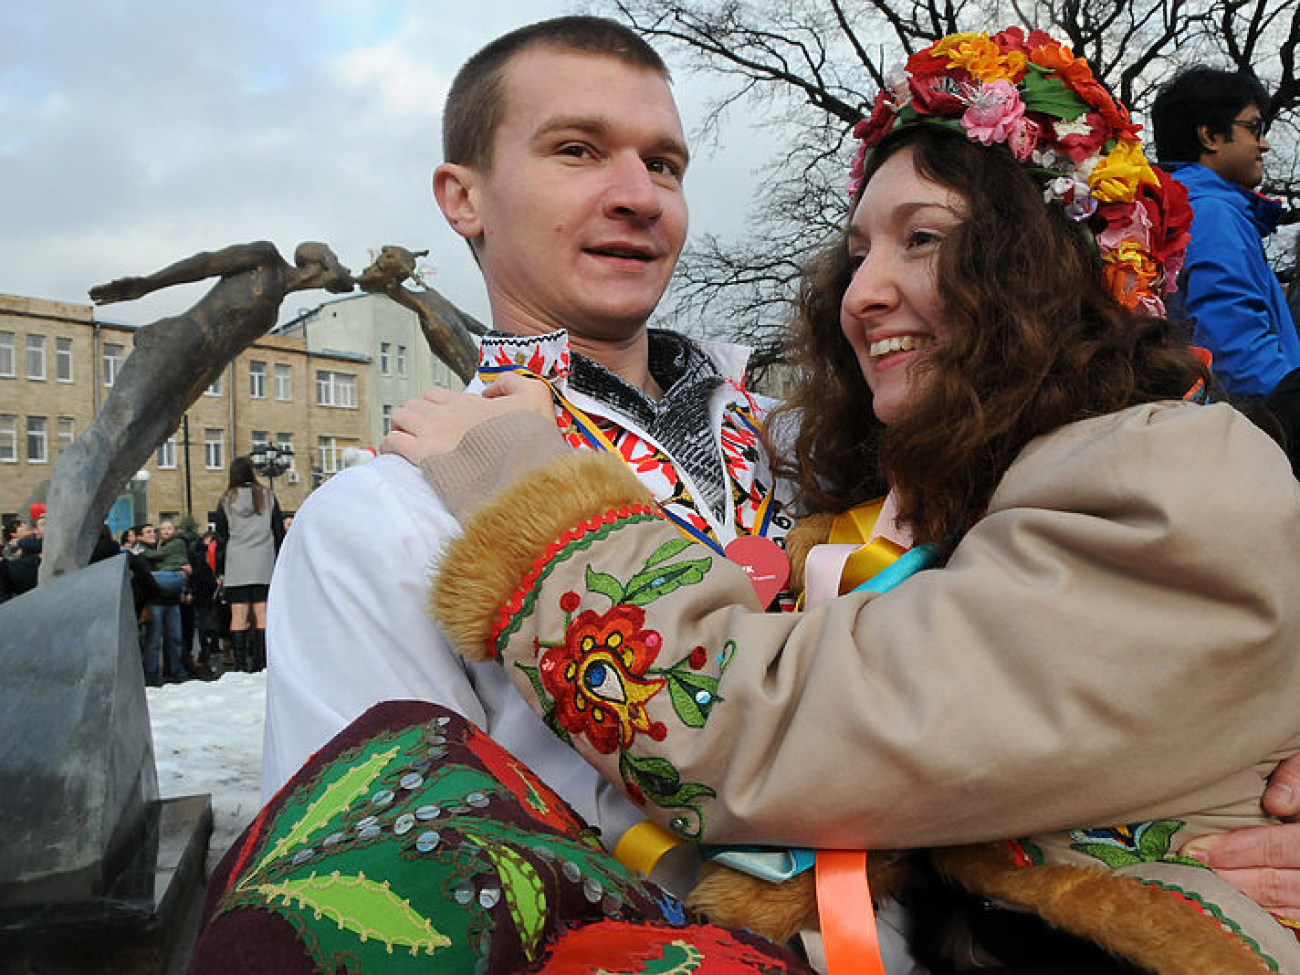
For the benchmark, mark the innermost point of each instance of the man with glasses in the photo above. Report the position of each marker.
(1210, 133)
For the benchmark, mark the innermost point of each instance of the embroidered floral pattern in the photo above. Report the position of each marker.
(596, 677)
(595, 682)
(1121, 846)
(403, 852)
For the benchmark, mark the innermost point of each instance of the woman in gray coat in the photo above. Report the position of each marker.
(250, 528)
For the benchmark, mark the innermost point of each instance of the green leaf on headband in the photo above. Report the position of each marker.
(1046, 93)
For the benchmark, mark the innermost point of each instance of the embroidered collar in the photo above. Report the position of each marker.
(680, 421)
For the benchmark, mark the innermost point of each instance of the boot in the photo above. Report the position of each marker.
(259, 650)
(239, 640)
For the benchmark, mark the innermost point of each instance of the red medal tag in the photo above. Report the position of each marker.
(763, 561)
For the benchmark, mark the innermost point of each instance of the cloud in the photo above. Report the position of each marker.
(135, 134)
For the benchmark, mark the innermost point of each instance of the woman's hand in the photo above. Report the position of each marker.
(436, 422)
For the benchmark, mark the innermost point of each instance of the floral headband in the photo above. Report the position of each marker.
(1043, 103)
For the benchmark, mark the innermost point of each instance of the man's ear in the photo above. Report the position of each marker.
(454, 189)
(1210, 141)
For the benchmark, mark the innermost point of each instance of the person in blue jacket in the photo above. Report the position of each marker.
(1210, 134)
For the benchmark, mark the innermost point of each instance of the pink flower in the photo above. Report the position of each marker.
(1023, 138)
(993, 112)
(1124, 224)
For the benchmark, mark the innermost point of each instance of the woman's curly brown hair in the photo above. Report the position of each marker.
(1036, 342)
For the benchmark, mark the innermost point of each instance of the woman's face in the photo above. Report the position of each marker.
(891, 313)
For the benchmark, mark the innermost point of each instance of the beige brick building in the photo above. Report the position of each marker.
(57, 362)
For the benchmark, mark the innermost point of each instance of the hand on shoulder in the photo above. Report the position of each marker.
(435, 422)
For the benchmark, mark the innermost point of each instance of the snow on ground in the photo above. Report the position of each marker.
(207, 737)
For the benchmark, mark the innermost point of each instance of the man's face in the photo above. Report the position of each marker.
(149, 536)
(1239, 157)
(165, 531)
(581, 219)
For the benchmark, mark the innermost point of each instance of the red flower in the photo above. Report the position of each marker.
(699, 657)
(597, 677)
(1170, 215)
(570, 601)
(1013, 39)
(877, 125)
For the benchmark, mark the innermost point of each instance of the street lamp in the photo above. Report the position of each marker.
(271, 460)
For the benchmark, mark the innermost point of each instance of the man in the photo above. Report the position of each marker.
(565, 157)
(168, 558)
(1210, 133)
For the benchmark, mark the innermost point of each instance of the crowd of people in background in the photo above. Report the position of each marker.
(199, 598)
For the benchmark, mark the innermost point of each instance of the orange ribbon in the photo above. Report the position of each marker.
(848, 921)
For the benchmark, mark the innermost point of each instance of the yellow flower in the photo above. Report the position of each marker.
(1117, 177)
(981, 58)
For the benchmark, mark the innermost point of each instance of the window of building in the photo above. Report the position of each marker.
(67, 432)
(214, 448)
(401, 361)
(6, 353)
(8, 438)
(335, 388)
(328, 448)
(37, 443)
(385, 358)
(283, 382)
(63, 360)
(387, 412)
(257, 380)
(112, 358)
(36, 357)
(167, 454)
(214, 389)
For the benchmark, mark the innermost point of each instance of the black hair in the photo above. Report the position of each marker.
(1197, 97)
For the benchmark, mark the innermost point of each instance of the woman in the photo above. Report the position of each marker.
(1105, 591)
(249, 527)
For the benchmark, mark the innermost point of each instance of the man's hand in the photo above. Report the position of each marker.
(436, 422)
(1263, 862)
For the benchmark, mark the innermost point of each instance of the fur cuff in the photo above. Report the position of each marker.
(505, 538)
(1140, 924)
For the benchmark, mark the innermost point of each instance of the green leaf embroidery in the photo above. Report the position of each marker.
(547, 703)
(334, 800)
(605, 584)
(660, 782)
(666, 551)
(650, 584)
(525, 896)
(367, 909)
(1153, 839)
(1113, 856)
(693, 696)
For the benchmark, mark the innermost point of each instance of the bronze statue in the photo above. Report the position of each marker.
(446, 328)
(174, 360)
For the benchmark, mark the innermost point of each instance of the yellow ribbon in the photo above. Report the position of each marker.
(643, 845)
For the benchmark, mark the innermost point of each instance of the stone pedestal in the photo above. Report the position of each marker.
(90, 857)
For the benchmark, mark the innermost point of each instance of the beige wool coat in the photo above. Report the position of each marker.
(1107, 666)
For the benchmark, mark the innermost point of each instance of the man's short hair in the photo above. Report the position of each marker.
(1196, 97)
(474, 105)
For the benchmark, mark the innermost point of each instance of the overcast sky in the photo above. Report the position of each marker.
(136, 132)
